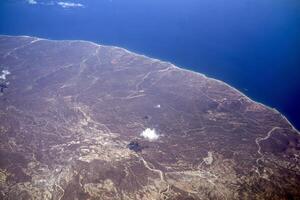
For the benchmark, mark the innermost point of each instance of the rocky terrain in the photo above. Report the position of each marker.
(84, 121)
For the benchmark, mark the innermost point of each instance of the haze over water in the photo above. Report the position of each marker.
(254, 45)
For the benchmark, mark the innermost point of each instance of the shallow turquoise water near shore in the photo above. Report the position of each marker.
(252, 45)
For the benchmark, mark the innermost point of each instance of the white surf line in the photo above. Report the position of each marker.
(243, 95)
(174, 66)
(22, 46)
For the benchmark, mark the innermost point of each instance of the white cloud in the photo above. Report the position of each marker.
(4, 74)
(32, 1)
(63, 4)
(150, 134)
(69, 4)
(158, 106)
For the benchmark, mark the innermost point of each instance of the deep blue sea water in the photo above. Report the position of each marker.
(254, 45)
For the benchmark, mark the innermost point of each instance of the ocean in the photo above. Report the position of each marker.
(253, 45)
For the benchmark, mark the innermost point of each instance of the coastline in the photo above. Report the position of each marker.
(172, 65)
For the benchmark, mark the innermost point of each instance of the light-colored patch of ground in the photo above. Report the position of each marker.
(255, 108)
(3, 130)
(210, 181)
(91, 140)
(209, 159)
(106, 152)
(34, 192)
(155, 189)
(95, 141)
(100, 190)
(28, 88)
(214, 116)
(3, 176)
(46, 183)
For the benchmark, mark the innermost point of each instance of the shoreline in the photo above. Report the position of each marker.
(172, 65)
